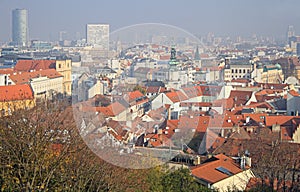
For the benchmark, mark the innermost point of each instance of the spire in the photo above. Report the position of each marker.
(173, 61)
(197, 55)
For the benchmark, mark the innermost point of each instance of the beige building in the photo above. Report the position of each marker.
(268, 73)
(237, 71)
(44, 83)
(114, 111)
(64, 67)
(15, 97)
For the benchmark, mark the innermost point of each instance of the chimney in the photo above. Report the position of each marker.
(248, 161)
(247, 119)
(197, 160)
(275, 127)
(159, 131)
(243, 162)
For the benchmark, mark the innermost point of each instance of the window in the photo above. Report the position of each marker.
(244, 71)
(240, 71)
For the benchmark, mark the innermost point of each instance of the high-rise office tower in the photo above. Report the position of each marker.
(290, 32)
(97, 35)
(20, 27)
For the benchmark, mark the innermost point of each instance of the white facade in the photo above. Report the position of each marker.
(293, 105)
(5, 80)
(96, 89)
(238, 181)
(97, 35)
(44, 86)
(160, 101)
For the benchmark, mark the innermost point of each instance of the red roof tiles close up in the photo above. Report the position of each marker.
(15, 92)
(25, 77)
(27, 65)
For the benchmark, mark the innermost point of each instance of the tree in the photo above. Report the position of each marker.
(139, 88)
(181, 180)
(41, 150)
(278, 166)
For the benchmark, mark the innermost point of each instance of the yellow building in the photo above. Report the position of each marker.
(272, 74)
(14, 97)
(64, 67)
(268, 73)
(44, 83)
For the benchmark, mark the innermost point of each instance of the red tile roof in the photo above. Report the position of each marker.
(191, 92)
(135, 95)
(208, 171)
(268, 91)
(286, 133)
(272, 85)
(240, 97)
(176, 96)
(112, 110)
(294, 93)
(225, 103)
(25, 77)
(27, 65)
(279, 120)
(6, 71)
(15, 92)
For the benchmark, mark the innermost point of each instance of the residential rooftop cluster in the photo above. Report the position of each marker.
(217, 108)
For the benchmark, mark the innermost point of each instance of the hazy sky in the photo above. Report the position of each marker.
(222, 17)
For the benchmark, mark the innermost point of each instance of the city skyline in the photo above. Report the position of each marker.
(230, 18)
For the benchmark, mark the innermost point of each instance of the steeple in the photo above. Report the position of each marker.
(173, 60)
(197, 55)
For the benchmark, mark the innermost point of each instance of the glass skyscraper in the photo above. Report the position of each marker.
(20, 27)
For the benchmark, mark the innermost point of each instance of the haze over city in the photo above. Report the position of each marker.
(150, 95)
(226, 18)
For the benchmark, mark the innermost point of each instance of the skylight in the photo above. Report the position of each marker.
(224, 170)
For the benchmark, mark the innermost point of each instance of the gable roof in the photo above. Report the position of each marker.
(176, 96)
(135, 95)
(279, 120)
(112, 110)
(240, 97)
(15, 92)
(6, 71)
(210, 171)
(27, 65)
(25, 77)
(225, 103)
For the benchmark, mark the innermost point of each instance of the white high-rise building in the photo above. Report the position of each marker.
(290, 32)
(20, 27)
(97, 35)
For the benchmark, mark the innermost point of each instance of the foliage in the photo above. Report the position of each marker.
(139, 88)
(175, 180)
(41, 150)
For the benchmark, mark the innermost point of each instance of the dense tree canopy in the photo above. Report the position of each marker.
(41, 150)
